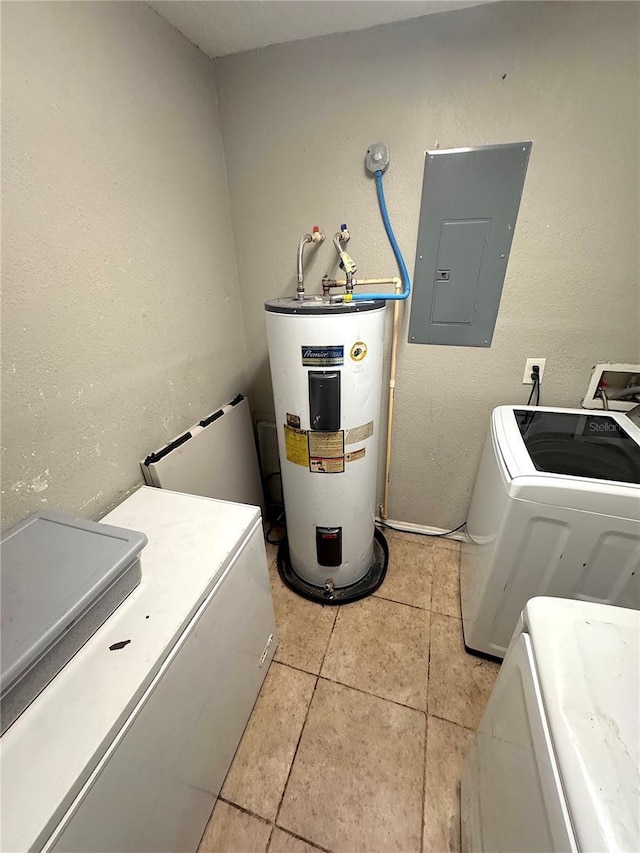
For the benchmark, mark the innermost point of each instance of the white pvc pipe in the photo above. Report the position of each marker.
(422, 529)
(392, 395)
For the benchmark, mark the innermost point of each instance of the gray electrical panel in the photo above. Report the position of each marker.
(470, 201)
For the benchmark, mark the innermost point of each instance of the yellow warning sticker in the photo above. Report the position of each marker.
(295, 442)
(326, 444)
(356, 454)
(324, 465)
(359, 433)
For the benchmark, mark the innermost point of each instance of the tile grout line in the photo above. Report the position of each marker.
(268, 847)
(366, 692)
(270, 823)
(424, 784)
(315, 687)
(373, 695)
(292, 665)
(295, 752)
(302, 838)
(326, 650)
(357, 689)
(394, 601)
(426, 735)
(245, 810)
(453, 723)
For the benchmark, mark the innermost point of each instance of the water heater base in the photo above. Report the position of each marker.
(340, 595)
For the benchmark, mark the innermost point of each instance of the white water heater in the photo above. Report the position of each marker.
(326, 368)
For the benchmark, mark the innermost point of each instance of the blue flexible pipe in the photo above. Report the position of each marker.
(404, 273)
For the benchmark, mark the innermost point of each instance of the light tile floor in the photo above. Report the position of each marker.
(358, 737)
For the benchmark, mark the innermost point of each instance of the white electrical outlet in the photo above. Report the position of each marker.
(528, 368)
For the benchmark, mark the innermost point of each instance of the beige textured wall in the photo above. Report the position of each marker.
(119, 323)
(297, 120)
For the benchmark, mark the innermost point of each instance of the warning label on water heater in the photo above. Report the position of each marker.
(359, 433)
(329, 356)
(326, 452)
(295, 442)
(322, 465)
(328, 444)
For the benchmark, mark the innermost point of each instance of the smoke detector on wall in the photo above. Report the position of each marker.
(612, 379)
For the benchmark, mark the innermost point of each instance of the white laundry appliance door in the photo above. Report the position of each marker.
(511, 793)
(588, 663)
(155, 787)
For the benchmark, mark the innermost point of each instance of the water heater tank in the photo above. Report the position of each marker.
(326, 370)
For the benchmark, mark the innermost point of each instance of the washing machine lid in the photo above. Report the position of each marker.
(587, 658)
(568, 457)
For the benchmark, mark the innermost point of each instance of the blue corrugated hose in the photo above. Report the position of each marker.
(404, 273)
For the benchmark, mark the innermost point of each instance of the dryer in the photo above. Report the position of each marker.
(555, 511)
(555, 764)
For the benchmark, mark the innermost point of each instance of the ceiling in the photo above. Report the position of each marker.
(220, 27)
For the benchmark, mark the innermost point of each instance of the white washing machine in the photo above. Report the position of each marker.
(555, 511)
(555, 762)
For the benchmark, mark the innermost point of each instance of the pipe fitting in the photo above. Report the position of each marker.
(349, 285)
(316, 237)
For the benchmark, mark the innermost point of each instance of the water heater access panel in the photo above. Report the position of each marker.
(470, 202)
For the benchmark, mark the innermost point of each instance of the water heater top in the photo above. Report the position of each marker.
(317, 305)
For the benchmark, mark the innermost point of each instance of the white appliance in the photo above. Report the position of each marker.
(555, 511)
(326, 369)
(127, 748)
(555, 764)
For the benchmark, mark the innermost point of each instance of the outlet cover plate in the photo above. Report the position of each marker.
(526, 379)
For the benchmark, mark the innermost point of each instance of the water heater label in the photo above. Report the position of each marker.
(322, 465)
(295, 442)
(359, 433)
(356, 454)
(329, 356)
(326, 444)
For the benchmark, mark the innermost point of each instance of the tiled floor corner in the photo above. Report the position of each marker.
(408, 578)
(233, 831)
(262, 762)
(356, 783)
(445, 587)
(447, 745)
(459, 683)
(381, 647)
(358, 738)
(284, 842)
(304, 627)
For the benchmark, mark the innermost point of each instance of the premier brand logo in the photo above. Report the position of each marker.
(322, 353)
(326, 356)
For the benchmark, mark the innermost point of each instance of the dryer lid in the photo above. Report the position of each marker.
(588, 662)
